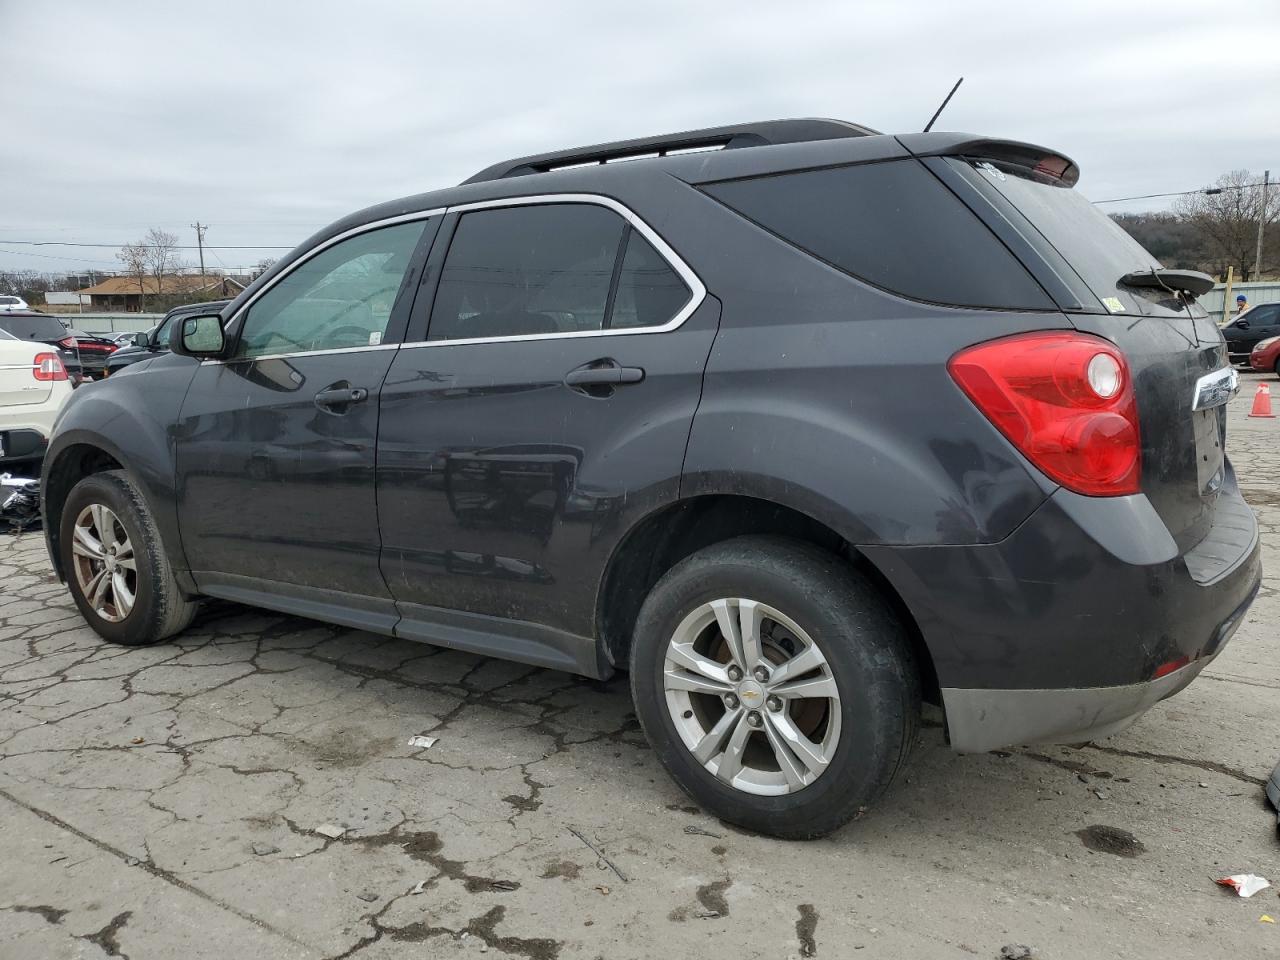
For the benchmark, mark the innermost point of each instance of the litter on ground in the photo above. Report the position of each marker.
(1245, 884)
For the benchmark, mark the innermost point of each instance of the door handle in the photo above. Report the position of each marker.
(337, 397)
(603, 373)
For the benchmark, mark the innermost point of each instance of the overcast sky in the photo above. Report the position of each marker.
(267, 120)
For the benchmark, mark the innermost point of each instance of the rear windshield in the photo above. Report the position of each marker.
(1095, 246)
(33, 328)
(892, 224)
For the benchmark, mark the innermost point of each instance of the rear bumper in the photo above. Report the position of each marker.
(1077, 622)
(22, 444)
(982, 720)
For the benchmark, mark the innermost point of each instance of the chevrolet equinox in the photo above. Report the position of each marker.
(798, 423)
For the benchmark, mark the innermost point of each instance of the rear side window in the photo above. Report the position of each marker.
(892, 224)
(650, 292)
(556, 268)
(518, 271)
(33, 328)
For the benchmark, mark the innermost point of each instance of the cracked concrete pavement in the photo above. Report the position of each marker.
(164, 802)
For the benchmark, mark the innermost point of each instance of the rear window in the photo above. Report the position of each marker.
(892, 224)
(8, 301)
(33, 328)
(1095, 246)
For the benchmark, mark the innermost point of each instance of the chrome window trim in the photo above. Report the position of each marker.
(318, 249)
(697, 290)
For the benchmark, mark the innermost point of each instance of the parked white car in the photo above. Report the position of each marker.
(8, 303)
(33, 387)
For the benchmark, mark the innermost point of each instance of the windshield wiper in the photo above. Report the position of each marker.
(1174, 281)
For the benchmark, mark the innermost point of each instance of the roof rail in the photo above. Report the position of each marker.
(760, 134)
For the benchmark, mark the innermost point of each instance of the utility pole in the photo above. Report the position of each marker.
(200, 228)
(1262, 219)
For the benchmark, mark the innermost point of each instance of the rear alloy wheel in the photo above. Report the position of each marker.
(115, 563)
(775, 684)
(735, 667)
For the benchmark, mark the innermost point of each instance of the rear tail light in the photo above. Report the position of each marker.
(48, 366)
(1065, 400)
(70, 343)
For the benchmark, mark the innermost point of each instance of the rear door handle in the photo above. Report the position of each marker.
(601, 373)
(334, 397)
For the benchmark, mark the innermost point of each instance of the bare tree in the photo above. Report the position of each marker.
(161, 255)
(262, 266)
(18, 282)
(136, 257)
(1226, 215)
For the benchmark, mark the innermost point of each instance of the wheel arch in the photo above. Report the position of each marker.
(662, 538)
(76, 454)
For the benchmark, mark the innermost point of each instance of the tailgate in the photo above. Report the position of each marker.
(1183, 449)
(1170, 345)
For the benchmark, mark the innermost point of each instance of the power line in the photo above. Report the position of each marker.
(45, 256)
(1209, 191)
(117, 246)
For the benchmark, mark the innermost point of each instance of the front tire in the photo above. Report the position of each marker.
(775, 685)
(115, 564)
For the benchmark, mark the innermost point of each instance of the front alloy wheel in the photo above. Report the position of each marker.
(104, 565)
(752, 696)
(115, 562)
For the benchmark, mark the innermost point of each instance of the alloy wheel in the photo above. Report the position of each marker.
(752, 696)
(103, 562)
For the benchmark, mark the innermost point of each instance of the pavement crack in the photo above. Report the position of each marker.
(1210, 765)
(159, 873)
(50, 914)
(108, 937)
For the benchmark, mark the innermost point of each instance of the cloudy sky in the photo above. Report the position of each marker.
(266, 120)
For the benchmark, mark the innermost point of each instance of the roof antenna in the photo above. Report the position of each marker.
(929, 125)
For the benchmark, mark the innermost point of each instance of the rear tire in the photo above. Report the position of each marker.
(854, 698)
(115, 563)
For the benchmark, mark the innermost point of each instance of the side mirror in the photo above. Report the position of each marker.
(199, 336)
(1242, 324)
(140, 340)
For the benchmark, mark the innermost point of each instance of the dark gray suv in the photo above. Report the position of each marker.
(799, 423)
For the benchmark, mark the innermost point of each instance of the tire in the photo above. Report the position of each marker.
(867, 655)
(158, 609)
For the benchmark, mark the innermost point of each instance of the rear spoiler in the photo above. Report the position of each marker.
(1047, 163)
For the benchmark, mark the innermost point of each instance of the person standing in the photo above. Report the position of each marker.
(1242, 304)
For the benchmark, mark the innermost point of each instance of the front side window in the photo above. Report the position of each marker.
(556, 268)
(339, 299)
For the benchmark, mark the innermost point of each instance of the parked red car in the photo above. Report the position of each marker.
(1266, 355)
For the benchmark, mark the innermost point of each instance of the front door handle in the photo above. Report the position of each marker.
(603, 373)
(337, 398)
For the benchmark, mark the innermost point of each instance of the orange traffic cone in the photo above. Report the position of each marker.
(1262, 402)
